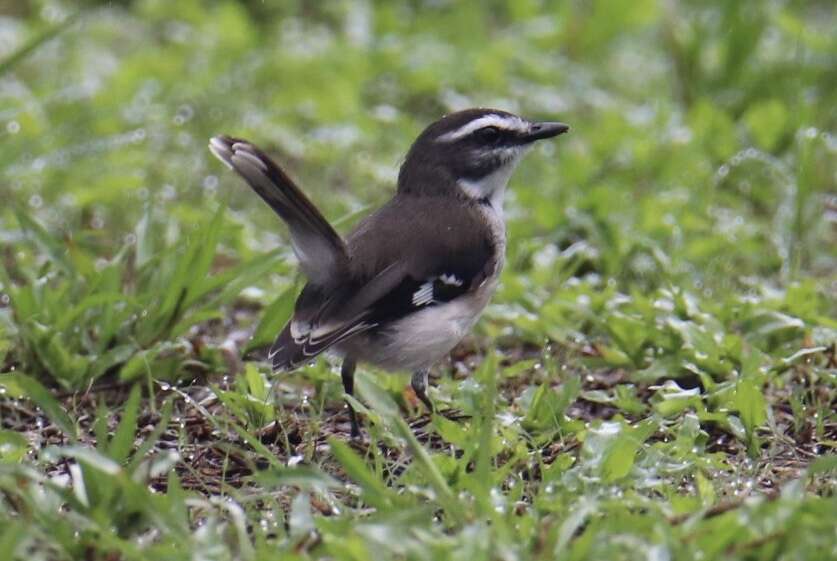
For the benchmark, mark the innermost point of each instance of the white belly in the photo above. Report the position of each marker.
(423, 338)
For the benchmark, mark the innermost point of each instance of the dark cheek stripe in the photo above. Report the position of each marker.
(482, 167)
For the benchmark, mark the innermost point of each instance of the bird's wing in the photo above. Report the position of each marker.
(320, 250)
(322, 320)
(426, 274)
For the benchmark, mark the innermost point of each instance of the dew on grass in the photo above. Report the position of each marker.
(210, 183)
(184, 113)
(168, 192)
(13, 127)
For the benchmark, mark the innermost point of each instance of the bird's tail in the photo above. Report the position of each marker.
(320, 250)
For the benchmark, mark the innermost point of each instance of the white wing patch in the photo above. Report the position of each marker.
(505, 122)
(424, 295)
(450, 280)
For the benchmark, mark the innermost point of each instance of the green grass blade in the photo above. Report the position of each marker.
(424, 464)
(123, 440)
(375, 491)
(8, 64)
(23, 386)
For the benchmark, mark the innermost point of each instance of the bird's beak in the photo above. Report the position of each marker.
(539, 131)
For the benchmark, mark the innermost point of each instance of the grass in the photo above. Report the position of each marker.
(656, 377)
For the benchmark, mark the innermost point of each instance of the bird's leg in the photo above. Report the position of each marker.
(419, 384)
(347, 372)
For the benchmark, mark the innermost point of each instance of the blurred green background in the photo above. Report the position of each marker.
(701, 130)
(684, 232)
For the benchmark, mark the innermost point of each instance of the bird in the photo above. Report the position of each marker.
(411, 279)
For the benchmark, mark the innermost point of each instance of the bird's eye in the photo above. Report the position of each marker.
(489, 134)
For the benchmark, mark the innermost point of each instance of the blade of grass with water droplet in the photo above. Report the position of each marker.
(424, 464)
(21, 385)
(123, 439)
(375, 491)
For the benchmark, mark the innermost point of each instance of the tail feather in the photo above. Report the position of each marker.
(320, 250)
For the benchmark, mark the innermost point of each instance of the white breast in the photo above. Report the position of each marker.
(425, 337)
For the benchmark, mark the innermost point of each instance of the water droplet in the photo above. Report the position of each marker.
(13, 127)
(168, 192)
(210, 183)
(35, 201)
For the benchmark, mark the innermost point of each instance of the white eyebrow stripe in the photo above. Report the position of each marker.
(505, 122)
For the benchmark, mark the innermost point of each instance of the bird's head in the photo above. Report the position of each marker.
(471, 153)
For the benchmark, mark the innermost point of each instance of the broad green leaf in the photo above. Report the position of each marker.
(274, 317)
(620, 456)
(751, 404)
(13, 446)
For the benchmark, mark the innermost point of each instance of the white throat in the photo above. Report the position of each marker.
(491, 187)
